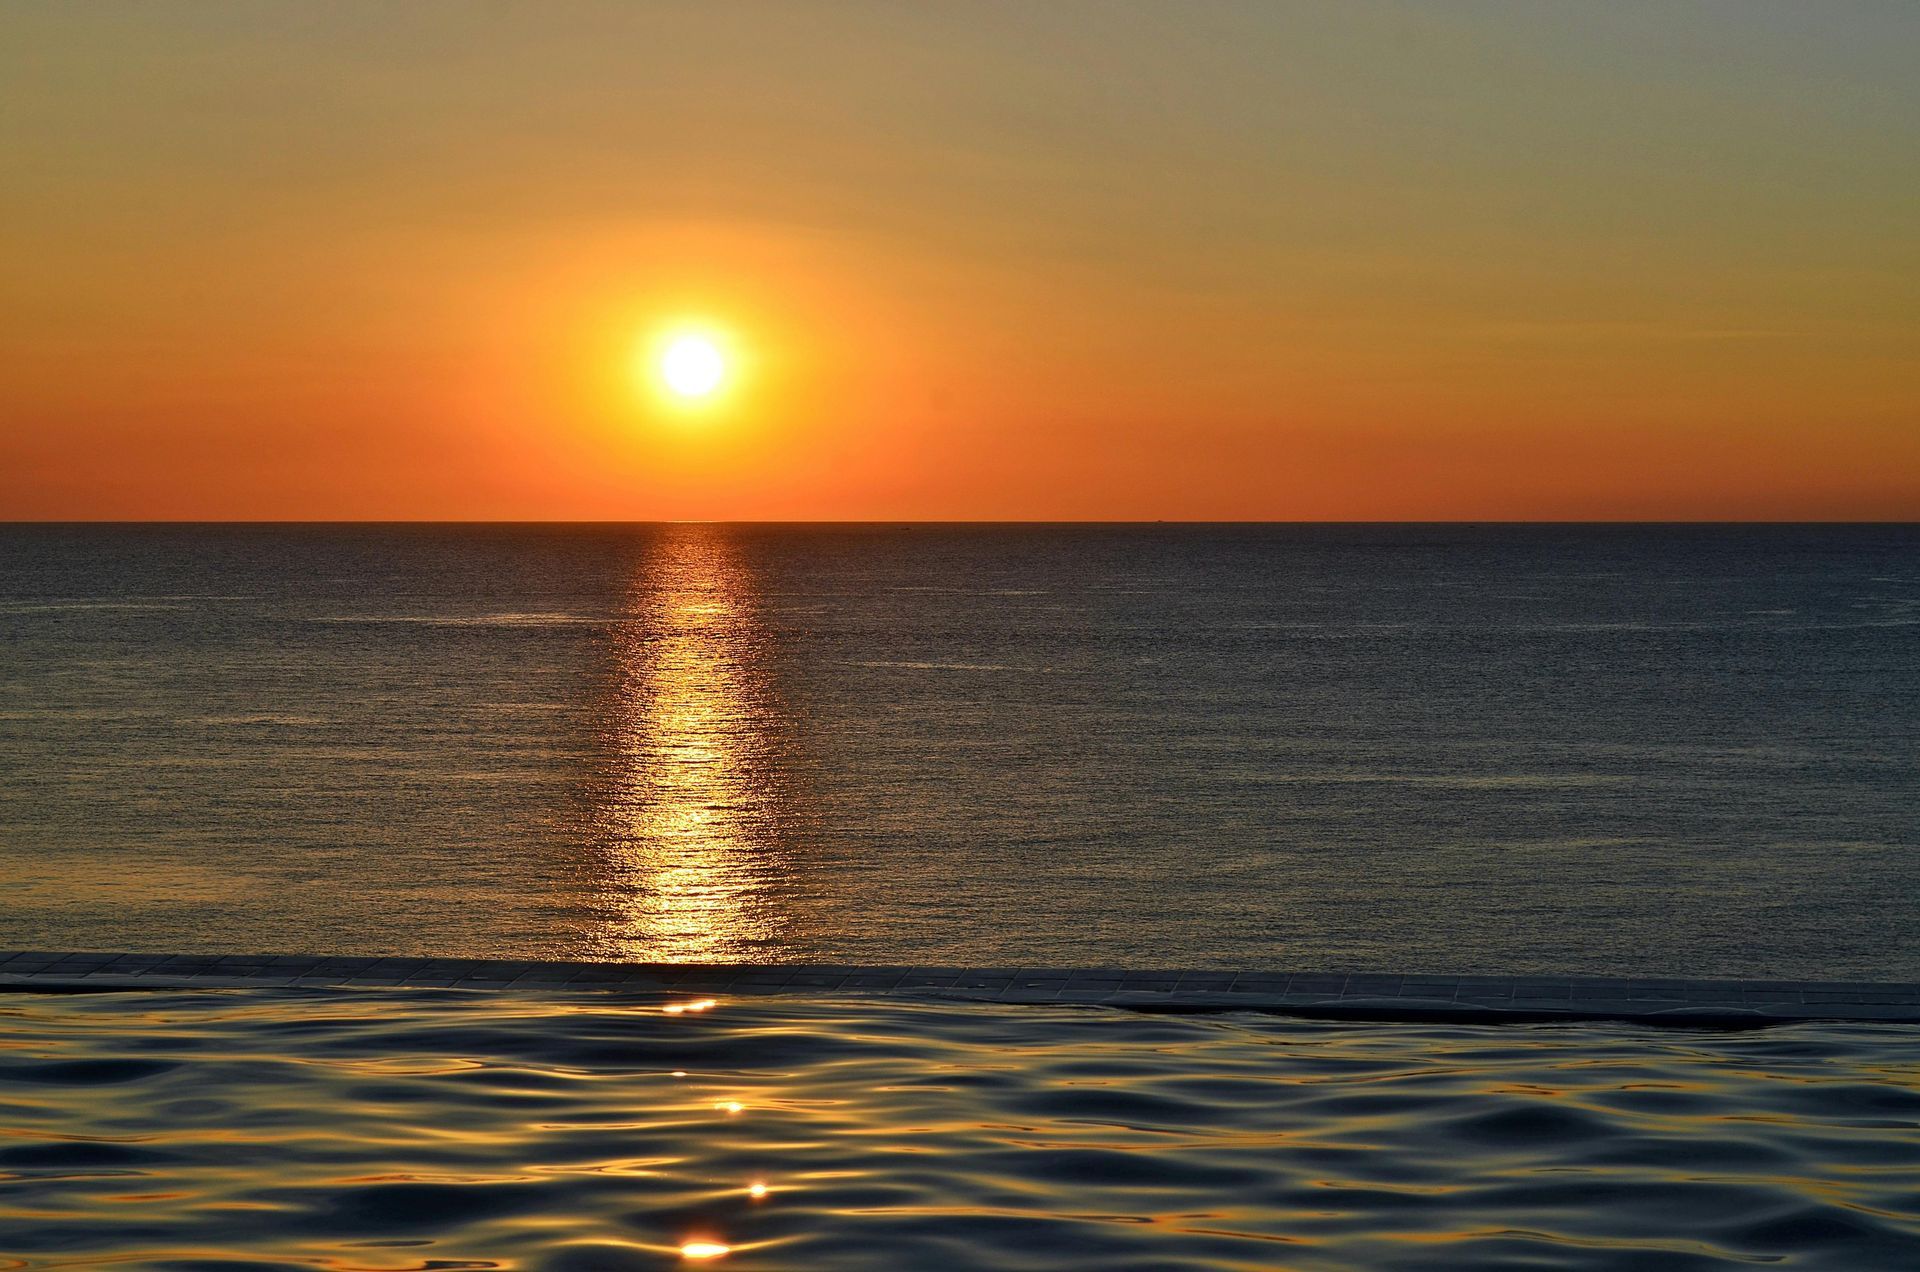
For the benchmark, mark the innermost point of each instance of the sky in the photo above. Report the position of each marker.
(1201, 261)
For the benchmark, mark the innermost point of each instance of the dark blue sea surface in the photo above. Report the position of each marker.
(1556, 748)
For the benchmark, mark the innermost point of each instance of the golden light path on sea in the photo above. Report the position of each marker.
(688, 825)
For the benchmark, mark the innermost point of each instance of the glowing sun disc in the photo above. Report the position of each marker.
(692, 366)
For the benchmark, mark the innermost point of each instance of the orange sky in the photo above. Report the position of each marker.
(1219, 261)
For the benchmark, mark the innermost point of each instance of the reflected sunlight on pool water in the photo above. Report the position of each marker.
(418, 1129)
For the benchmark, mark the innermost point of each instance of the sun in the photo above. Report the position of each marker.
(692, 366)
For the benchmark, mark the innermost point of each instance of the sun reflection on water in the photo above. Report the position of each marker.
(921, 1135)
(690, 823)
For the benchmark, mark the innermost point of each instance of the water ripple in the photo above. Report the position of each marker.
(438, 1130)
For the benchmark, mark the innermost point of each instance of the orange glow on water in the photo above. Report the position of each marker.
(689, 824)
(702, 1004)
(1476, 1133)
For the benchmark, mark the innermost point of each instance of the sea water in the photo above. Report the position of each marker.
(1615, 749)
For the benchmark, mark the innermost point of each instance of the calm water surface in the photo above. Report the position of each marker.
(1628, 749)
(437, 1130)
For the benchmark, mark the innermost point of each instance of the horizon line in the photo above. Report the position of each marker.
(948, 521)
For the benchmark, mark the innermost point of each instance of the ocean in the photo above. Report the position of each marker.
(1681, 750)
